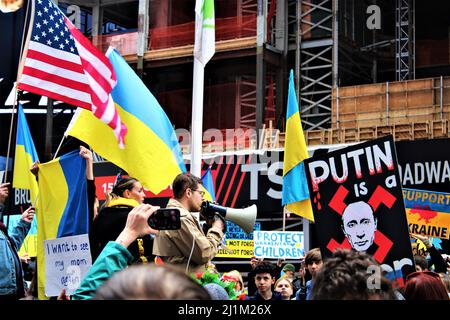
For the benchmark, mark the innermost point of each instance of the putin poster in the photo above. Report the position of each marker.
(357, 202)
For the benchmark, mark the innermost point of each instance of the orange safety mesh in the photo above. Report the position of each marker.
(178, 35)
(125, 43)
(183, 34)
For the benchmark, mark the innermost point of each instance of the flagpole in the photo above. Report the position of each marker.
(306, 234)
(5, 177)
(197, 118)
(59, 147)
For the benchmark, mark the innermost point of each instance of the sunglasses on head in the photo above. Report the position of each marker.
(419, 273)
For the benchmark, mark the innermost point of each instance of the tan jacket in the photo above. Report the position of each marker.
(174, 246)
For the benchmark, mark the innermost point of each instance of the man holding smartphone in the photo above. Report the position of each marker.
(188, 246)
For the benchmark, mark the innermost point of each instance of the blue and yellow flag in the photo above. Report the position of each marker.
(62, 206)
(208, 186)
(152, 153)
(24, 158)
(295, 194)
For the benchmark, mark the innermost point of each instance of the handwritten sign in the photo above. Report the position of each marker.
(240, 243)
(239, 249)
(278, 244)
(67, 260)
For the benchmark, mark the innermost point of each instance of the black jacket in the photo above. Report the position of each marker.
(275, 296)
(107, 227)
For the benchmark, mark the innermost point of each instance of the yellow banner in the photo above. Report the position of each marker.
(430, 223)
(239, 248)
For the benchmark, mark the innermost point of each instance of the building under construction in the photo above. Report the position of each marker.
(363, 69)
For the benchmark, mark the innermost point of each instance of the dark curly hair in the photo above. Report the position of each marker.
(344, 277)
(264, 267)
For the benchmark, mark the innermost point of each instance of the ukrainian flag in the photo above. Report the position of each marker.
(295, 194)
(208, 186)
(25, 156)
(62, 206)
(152, 153)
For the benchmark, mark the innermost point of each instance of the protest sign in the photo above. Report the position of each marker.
(357, 203)
(424, 164)
(428, 212)
(67, 261)
(278, 244)
(239, 243)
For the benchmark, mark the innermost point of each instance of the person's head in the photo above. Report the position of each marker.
(188, 190)
(425, 285)
(236, 277)
(289, 270)
(359, 225)
(445, 278)
(216, 291)
(346, 276)
(313, 261)
(421, 263)
(129, 188)
(285, 287)
(151, 282)
(264, 276)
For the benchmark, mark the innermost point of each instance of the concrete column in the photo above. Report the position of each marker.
(261, 33)
(142, 41)
(97, 21)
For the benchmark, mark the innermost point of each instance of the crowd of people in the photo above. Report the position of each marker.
(131, 260)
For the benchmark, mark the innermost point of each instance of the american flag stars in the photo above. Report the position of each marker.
(50, 28)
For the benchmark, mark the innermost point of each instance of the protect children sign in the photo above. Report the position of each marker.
(278, 244)
(357, 203)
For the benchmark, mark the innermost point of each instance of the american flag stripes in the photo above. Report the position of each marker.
(62, 64)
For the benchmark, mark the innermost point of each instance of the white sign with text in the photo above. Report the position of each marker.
(278, 244)
(67, 261)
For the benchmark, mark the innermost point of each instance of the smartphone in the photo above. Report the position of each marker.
(165, 219)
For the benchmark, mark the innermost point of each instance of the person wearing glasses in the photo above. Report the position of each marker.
(189, 247)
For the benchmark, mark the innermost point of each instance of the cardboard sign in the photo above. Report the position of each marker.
(67, 261)
(278, 244)
(357, 203)
(240, 243)
(428, 212)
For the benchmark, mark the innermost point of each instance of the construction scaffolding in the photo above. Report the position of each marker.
(316, 60)
(405, 40)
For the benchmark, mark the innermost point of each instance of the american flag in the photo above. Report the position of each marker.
(62, 64)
